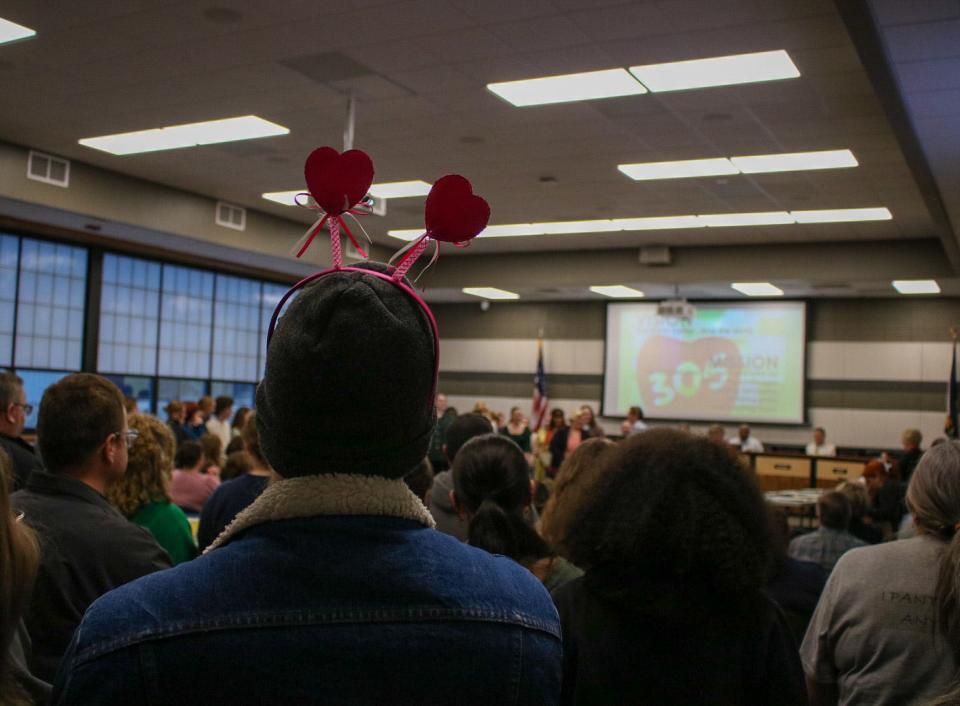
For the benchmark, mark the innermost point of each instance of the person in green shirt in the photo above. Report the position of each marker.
(143, 493)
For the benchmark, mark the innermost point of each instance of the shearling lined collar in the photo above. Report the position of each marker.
(334, 494)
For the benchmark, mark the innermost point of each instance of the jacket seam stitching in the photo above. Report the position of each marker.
(256, 621)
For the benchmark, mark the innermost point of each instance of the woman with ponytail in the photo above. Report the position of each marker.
(492, 489)
(887, 628)
(19, 557)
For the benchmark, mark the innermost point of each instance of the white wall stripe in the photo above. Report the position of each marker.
(504, 355)
(826, 360)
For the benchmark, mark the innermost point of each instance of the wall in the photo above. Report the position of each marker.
(146, 214)
(874, 366)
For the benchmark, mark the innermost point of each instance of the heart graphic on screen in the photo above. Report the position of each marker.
(688, 378)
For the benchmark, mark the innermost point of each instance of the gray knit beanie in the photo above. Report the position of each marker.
(349, 381)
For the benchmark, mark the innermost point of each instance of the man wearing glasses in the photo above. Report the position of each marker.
(14, 411)
(87, 547)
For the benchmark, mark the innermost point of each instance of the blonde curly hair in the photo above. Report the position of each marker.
(149, 466)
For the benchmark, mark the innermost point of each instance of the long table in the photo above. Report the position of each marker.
(794, 472)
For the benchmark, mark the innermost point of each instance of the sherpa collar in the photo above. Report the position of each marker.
(333, 494)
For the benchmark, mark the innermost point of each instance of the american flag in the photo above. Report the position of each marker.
(539, 390)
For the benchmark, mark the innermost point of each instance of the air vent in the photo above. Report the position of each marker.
(48, 169)
(230, 216)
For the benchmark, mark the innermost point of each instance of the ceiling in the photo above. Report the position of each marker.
(419, 68)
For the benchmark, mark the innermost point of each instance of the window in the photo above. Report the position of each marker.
(272, 294)
(35, 383)
(183, 390)
(8, 295)
(186, 318)
(236, 334)
(129, 315)
(50, 309)
(139, 388)
(241, 392)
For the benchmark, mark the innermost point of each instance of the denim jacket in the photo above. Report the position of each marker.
(327, 590)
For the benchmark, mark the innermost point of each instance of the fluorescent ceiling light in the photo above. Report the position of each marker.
(407, 233)
(568, 87)
(659, 223)
(795, 161)
(558, 227)
(763, 218)
(286, 198)
(712, 220)
(400, 189)
(11, 31)
(386, 190)
(617, 291)
(842, 215)
(757, 289)
(716, 71)
(916, 286)
(512, 229)
(490, 293)
(678, 170)
(247, 127)
(755, 164)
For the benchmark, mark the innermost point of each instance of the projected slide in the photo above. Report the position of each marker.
(732, 362)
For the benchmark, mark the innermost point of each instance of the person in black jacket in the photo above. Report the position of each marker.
(14, 411)
(910, 441)
(673, 537)
(567, 439)
(86, 547)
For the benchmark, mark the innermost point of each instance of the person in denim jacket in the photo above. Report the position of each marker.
(332, 587)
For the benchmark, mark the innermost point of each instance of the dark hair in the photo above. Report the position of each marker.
(492, 482)
(236, 444)
(174, 407)
(464, 428)
(779, 536)
(420, 479)
(834, 510)
(240, 417)
(637, 411)
(10, 386)
(19, 558)
(563, 418)
(251, 439)
(675, 514)
(77, 414)
(238, 464)
(189, 453)
(223, 402)
(212, 446)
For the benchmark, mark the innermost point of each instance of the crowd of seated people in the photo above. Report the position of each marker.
(654, 572)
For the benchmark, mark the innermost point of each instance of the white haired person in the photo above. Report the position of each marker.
(887, 627)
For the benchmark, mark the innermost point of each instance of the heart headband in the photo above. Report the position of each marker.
(338, 182)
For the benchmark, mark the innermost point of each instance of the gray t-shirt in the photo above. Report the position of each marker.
(873, 634)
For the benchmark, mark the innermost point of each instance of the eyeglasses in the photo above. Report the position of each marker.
(27, 408)
(130, 435)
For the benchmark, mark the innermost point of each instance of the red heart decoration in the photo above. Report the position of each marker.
(453, 213)
(337, 181)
